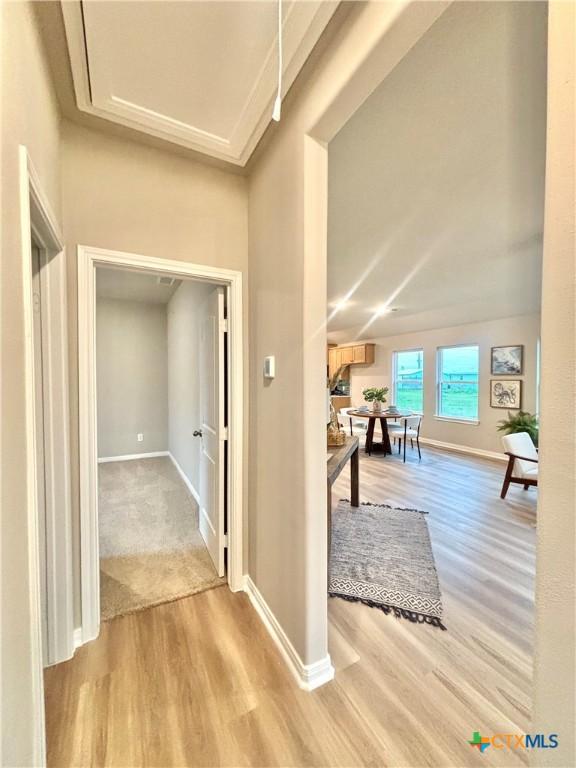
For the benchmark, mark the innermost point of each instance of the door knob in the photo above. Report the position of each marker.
(197, 433)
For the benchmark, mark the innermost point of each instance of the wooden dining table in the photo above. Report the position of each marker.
(383, 416)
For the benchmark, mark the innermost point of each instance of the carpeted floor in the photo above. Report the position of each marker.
(151, 551)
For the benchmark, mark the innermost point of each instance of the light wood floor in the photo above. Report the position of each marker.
(199, 683)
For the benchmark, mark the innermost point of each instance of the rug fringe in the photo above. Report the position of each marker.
(400, 613)
(387, 506)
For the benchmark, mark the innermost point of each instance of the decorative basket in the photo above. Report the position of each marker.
(335, 436)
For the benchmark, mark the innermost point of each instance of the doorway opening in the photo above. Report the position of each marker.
(437, 317)
(161, 402)
(160, 349)
(47, 436)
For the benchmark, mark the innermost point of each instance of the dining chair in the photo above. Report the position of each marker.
(408, 429)
(357, 427)
(522, 461)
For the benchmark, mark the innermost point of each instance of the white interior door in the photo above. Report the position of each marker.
(213, 430)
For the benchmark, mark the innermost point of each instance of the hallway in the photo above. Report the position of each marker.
(198, 682)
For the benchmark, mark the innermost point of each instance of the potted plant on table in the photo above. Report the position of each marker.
(523, 421)
(376, 396)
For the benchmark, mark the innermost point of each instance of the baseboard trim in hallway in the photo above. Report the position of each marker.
(186, 480)
(308, 676)
(133, 457)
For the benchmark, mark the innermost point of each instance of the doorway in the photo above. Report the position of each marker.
(161, 402)
(216, 486)
(48, 520)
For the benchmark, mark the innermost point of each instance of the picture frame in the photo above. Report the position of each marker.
(507, 360)
(506, 393)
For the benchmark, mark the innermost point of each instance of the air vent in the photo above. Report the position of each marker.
(165, 280)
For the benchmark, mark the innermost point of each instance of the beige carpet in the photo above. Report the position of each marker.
(150, 549)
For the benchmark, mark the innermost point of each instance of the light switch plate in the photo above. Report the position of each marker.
(269, 367)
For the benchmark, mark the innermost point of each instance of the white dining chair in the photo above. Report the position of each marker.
(522, 461)
(407, 429)
(356, 427)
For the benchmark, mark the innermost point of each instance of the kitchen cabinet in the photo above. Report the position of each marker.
(353, 354)
(347, 355)
(363, 353)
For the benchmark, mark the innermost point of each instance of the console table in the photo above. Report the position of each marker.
(339, 456)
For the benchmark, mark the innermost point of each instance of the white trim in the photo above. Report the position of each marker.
(38, 219)
(186, 479)
(473, 422)
(78, 638)
(88, 259)
(37, 684)
(133, 457)
(308, 676)
(88, 453)
(494, 455)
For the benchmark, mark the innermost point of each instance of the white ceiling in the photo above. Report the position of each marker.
(126, 285)
(436, 183)
(199, 73)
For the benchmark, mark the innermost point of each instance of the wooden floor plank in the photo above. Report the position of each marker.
(198, 682)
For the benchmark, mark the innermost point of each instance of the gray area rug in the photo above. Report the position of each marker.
(151, 550)
(382, 556)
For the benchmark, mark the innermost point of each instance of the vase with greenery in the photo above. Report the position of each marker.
(376, 396)
(522, 421)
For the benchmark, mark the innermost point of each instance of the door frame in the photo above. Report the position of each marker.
(88, 259)
(38, 219)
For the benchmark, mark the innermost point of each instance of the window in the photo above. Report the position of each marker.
(458, 383)
(408, 377)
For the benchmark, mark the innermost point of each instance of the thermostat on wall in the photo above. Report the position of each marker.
(269, 367)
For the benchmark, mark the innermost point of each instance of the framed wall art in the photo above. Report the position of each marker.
(506, 393)
(507, 361)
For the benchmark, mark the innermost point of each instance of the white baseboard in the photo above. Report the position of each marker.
(77, 636)
(308, 676)
(464, 449)
(184, 477)
(133, 456)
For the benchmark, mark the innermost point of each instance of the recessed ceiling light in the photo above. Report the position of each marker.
(384, 309)
(340, 305)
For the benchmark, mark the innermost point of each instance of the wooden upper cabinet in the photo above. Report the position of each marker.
(356, 354)
(363, 353)
(347, 355)
(333, 364)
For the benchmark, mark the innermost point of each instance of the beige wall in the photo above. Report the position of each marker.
(482, 436)
(287, 234)
(132, 377)
(184, 315)
(555, 674)
(121, 195)
(30, 117)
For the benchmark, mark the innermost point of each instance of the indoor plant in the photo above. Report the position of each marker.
(376, 396)
(520, 422)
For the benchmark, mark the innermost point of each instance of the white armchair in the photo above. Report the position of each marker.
(522, 461)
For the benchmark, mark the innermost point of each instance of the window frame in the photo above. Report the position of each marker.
(395, 354)
(439, 381)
